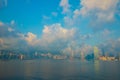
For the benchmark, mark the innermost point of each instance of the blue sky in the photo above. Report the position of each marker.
(27, 13)
(78, 24)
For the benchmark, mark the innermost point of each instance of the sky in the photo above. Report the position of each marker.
(60, 26)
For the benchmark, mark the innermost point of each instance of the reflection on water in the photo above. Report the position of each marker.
(59, 70)
(97, 66)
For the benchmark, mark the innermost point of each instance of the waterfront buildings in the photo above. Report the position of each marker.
(82, 56)
(96, 53)
(105, 58)
(59, 57)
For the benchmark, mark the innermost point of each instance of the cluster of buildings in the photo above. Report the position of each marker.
(51, 56)
(7, 55)
(105, 57)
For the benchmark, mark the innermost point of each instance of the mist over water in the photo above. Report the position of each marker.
(59, 70)
(59, 39)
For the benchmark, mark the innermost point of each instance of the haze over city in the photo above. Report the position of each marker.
(60, 26)
(59, 39)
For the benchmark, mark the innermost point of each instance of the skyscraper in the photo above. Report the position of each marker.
(72, 55)
(96, 53)
(82, 55)
(103, 52)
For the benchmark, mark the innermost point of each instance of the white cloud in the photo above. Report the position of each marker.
(86, 36)
(7, 30)
(51, 38)
(104, 10)
(30, 38)
(105, 32)
(65, 5)
(10, 29)
(76, 13)
(103, 5)
(54, 38)
(57, 37)
(10, 38)
(68, 21)
(57, 32)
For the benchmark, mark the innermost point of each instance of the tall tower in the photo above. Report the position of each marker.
(82, 55)
(72, 55)
(103, 52)
(36, 54)
(96, 53)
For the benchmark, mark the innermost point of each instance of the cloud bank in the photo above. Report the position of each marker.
(68, 37)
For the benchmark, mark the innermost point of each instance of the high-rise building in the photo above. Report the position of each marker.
(103, 52)
(82, 55)
(36, 54)
(72, 55)
(21, 57)
(96, 52)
